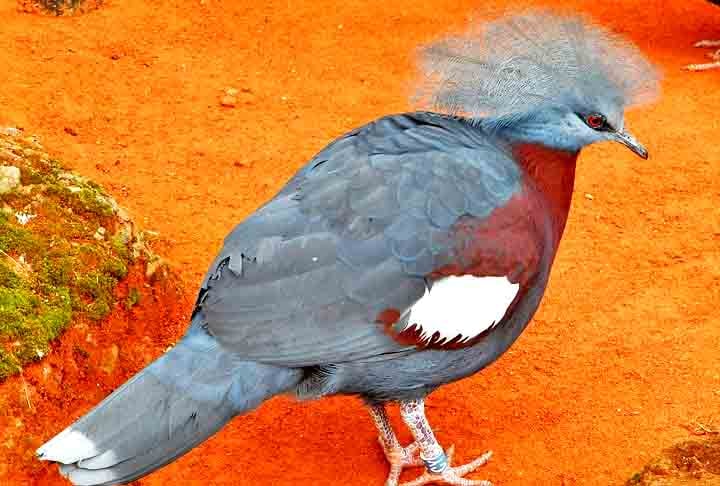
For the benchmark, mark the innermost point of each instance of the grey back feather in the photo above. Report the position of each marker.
(514, 64)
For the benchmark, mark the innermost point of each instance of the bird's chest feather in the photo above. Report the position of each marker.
(494, 258)
(496, 261)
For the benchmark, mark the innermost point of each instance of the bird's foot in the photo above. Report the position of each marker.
(400, 458)
(704, 67)
(708, 43)
(452, 476)
(713, 55)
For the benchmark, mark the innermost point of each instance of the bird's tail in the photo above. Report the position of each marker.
(165, 410)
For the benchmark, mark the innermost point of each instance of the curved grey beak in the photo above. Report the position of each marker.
(630, 142)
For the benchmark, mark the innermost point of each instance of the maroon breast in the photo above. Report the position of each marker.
(517, 241)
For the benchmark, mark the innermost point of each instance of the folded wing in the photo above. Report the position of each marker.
(308, 278)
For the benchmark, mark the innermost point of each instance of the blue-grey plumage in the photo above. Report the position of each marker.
(168, 408)
(332, 286)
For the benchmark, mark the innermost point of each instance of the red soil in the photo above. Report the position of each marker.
(624, 351)
(83, 368)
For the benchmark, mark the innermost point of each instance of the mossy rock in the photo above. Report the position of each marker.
(689, 463)
(59, 7)
(64, 246)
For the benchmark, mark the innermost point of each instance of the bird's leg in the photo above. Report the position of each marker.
(436, 461)
(398, 456)
(715, 56)
(705, 66)
(708, 43)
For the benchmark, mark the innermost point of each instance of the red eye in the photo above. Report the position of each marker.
(595, 121)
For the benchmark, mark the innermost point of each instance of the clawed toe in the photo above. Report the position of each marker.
(714, 55)
(703, 67)
(454, 476)
(399, 459)
(438, 463)
(708, 43)
(402, 456)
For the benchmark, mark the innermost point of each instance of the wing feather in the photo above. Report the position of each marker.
(354, 233)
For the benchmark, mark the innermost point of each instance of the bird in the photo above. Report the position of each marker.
(715, 56)
(409, 253)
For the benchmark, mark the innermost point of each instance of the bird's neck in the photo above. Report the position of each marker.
(553, 173)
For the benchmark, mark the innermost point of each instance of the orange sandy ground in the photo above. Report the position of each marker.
(623, 353)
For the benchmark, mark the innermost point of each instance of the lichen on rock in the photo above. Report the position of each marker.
(9, 178)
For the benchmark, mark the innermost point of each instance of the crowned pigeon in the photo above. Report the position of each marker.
(407, 254)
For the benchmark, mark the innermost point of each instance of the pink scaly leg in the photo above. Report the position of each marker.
(399, 457)
(436, 462)
(715, 56)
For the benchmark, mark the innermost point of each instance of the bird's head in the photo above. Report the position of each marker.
(567, 129)
(538, 77)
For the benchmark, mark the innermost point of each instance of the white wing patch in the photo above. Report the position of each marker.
(462, 306)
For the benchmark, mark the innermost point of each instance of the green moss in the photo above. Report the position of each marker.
(120, 245)
(9, 365)
(57, 270)
(15, 306)
(98, 310)
(58, 312)
(76, 302)
(52, 270)
(82, 200)
(89, 251)
(8, 278)
(14, 239)
(115, 267)
(87, 200)
(31, 176)
(133, 298)
(96, 187)
(99, 288)
(97, 285)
